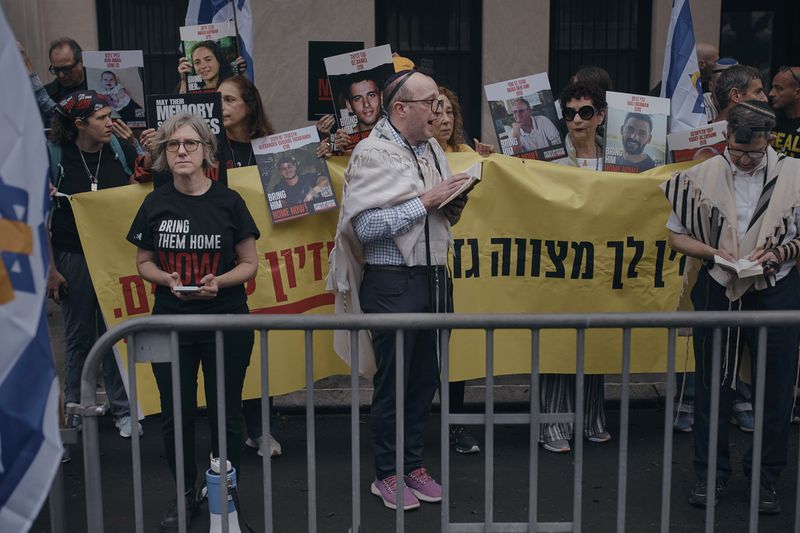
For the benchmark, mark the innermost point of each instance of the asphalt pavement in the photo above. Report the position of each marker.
(510, 457)
(511, 453)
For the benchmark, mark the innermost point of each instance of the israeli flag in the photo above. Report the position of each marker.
(681, 75)
(30, 444)
(207, 11)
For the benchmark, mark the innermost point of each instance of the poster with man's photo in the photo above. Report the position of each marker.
(296, 182)
(118, 75)
(212, 50)
(319, 90)
(701, 143)
(524, 116)
(356, 80)
(636, 132)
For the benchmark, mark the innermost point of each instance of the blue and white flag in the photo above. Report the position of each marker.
(681, 75)
(30, 444)
(207, 11)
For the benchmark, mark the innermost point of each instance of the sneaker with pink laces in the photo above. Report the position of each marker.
(423, 486)
(386, 490)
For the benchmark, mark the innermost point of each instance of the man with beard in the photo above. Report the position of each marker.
(636, 133)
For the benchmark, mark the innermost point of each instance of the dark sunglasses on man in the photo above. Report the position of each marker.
(66, 68)
(586, 112)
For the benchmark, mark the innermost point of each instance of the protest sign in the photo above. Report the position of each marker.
(212, 51)
(636, 132)
(117, 75)
(320, 98)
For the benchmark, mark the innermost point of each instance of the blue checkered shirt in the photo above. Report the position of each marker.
(376, 228)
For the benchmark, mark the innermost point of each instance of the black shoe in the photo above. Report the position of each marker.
(700, 492)
(768, 501)
(463, 441)
(169, 523)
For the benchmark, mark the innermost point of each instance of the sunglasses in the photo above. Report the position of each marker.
(586, 112)
(66, 68)
(791, 71)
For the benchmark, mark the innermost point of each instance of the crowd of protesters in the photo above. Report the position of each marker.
(420, 122)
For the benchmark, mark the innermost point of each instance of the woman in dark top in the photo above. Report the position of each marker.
(196, 232)
(244, 119)
(85, 157)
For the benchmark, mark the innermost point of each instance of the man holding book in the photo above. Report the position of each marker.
(743, 206)
(390, 256)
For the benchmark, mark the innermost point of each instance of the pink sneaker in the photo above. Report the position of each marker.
(423, 485)
(386, 490)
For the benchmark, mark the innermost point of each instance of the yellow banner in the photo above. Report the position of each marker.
(535, 238)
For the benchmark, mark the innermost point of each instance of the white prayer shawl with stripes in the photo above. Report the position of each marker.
(703, 199)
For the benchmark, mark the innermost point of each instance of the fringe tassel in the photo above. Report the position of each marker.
(683, 384)
(796, 385)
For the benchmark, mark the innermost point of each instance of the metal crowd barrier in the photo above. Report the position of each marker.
(156, 339)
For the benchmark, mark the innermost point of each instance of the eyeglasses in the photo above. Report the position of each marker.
(585, 112)
(754, 156)
(190, 145)
(66, 68)
(435, 103)
(791, 71)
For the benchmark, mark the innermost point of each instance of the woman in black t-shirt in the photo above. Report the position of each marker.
(244, 119)
(194, 234)
(85, 157)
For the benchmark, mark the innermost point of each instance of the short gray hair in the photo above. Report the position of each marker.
(737, 77)
(750, 118)
(168, 129)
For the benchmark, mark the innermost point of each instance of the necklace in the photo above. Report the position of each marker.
(92, 177)
(586, 159)
(233, 156)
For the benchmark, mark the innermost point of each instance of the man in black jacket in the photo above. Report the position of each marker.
(66, 64)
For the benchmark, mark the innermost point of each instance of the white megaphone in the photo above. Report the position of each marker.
(213, 480)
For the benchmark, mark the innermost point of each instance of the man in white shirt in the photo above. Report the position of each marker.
(531, 132)
(742, 205)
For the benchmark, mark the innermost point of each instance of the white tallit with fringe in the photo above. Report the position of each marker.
(381, 174)
(703, 199)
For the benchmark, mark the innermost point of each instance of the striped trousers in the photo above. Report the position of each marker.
(558, 396)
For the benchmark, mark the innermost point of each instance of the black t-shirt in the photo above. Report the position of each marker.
(75, 179)
(194, 236)
(645, 164)
(296, 194)
(238, 154)
(787, 135)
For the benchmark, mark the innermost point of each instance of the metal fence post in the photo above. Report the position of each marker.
(758, 430)
(666, 478)
(711, 479)
(266, 414)
(136, 447)
(355, 432)
(311, 436)
(399, 425)
(444, 403)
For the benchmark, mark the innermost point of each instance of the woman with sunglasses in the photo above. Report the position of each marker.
(583, 106)
(196, 241)
(741, 205)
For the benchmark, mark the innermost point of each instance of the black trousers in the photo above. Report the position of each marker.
(197, 349)
(401, 291)
(782, 346)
